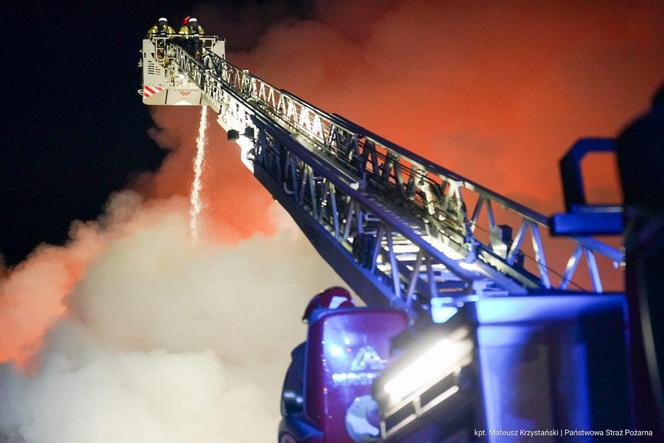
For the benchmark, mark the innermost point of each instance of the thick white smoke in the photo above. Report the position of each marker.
(165, 342)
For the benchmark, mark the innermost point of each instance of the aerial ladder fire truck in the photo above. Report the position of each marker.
(471, 332)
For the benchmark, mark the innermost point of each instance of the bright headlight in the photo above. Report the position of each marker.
(443, 357)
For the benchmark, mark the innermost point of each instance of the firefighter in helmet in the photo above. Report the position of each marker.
(190, 26)
(161, 29)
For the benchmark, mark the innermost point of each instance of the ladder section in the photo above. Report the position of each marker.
(400, 217)
(404, 267)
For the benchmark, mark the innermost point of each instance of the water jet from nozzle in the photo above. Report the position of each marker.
(196, 203)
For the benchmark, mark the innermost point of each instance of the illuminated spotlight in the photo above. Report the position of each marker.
(336, 351)
(246, 145)
(442, 309)
(443, 357)
(433, 372)
(507, 363)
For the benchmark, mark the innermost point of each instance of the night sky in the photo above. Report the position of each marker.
(74, 127)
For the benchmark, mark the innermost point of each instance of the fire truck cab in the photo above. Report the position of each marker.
(327, 390)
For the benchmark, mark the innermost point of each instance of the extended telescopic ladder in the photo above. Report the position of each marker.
(398, 228)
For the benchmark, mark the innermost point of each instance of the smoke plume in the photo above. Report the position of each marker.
(164, 342)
